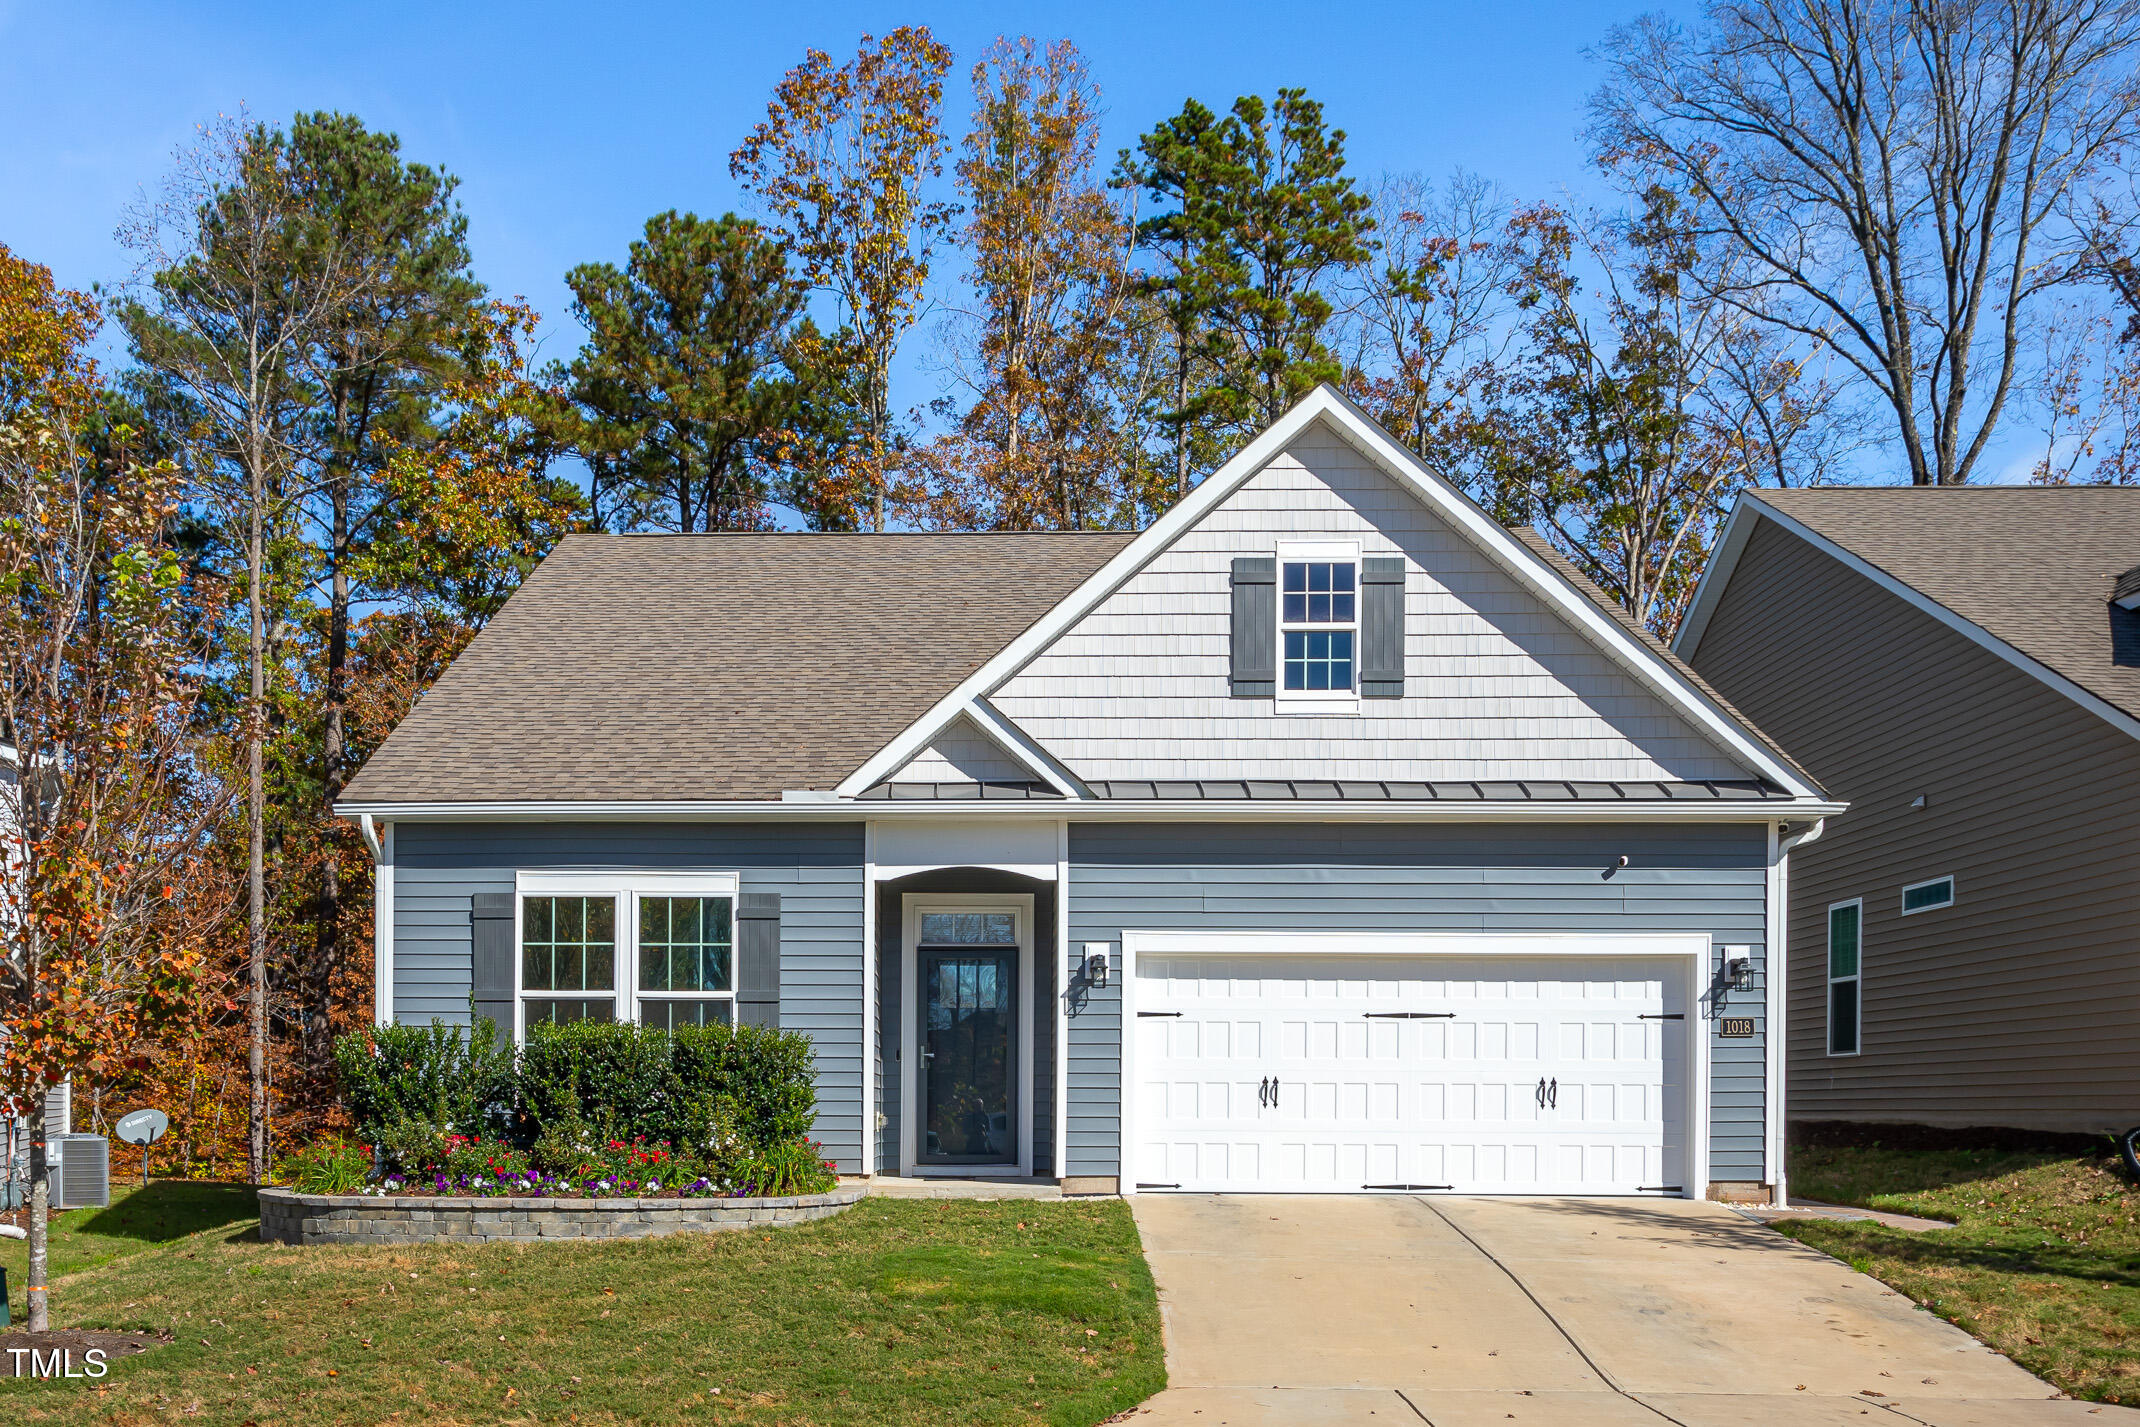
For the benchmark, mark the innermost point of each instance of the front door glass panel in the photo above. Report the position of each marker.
(969, 1000)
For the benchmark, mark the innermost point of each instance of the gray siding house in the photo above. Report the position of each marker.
(1325, 836)
(1962, 665)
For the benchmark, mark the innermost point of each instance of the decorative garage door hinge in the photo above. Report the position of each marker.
(1142, 1014)
(1660, 1189)
(1408, 1186)
(1662, 1016)
(1411, 1015)
(1142, 1185)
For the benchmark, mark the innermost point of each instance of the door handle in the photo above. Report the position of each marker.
(1541, 1092)
(1553, 1093)
(1274, 1092)
(1263, 1091)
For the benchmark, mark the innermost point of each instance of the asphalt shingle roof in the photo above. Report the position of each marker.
(717, 667)
(2034, 566)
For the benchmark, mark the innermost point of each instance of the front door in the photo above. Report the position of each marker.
(967, 967)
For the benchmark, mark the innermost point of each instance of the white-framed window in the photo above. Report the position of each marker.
(1846, 977)
(1928, 896)
(1318, 625)
(652, 947)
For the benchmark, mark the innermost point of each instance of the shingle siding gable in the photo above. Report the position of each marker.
(1497, 685)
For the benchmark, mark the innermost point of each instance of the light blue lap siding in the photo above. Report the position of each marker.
(816, 868)
(1381, 877)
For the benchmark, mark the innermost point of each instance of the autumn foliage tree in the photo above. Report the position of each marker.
(1629, 409)
(1038, 346)
(103, 907)
(840, 165)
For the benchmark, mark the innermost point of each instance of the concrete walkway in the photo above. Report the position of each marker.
(1841, 1213)
(1546, 1313)
(895, 1187)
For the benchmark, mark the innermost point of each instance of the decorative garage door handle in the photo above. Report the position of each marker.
(1541, 1092)
(1553, 1093)
(1274, 1092)
(1263, 1091)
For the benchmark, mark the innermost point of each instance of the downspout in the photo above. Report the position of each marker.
(380, 839)
(1780, 844)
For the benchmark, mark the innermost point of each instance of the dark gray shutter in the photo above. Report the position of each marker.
(758, 959)
(1382, 627)
(491, 972)
(1255, 627)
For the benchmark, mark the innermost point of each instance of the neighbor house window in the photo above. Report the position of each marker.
(685, 957)
(1318, 622)
(568, 950)
(1928, 896)
(1846, 955)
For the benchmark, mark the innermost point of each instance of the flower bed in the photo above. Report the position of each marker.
(586, 1109)
(288, 1217)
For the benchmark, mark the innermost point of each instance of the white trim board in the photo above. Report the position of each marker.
(1325, 404)
(627, 885)
(912, 904)
(383, 927)
(1750, 508)
(1693, 947)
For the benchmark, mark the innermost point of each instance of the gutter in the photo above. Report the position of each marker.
(1098, 810)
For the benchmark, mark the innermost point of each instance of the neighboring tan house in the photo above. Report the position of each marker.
(1324, 836)
(1962, 665)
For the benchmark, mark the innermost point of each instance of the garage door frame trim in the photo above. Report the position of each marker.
(1693, 948)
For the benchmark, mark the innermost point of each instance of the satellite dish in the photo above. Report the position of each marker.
(143, 1127)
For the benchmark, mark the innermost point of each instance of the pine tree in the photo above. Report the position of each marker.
(1287, 219)
(692, 388)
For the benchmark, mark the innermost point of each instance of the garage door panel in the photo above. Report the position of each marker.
(1506, 1075)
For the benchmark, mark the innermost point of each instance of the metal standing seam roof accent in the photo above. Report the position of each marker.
(1503, 791)
(993, 790)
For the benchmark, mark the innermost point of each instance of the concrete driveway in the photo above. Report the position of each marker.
(1546, 1313)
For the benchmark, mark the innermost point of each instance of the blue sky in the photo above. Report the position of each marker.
(570, 125)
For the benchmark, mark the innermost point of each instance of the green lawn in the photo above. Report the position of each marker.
(137, 1219)
(923, 1312)
(2043, 1262)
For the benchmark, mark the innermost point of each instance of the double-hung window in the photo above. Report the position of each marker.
(686, 947)
(1318, 624)
(654, 947)
(568, 958)
(1846, 976)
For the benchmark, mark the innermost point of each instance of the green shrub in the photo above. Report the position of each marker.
(566, 1144)
(721, 1097)
(411, 1146)
(329, 1166)
(614, 1076)
(457, 1078)
(763, 1077)
(796, 1166)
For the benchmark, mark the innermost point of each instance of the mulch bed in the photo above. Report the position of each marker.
(76, 1341)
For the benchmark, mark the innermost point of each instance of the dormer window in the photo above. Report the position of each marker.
(1318, 625)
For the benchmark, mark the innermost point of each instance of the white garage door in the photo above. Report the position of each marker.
(1292, 1073)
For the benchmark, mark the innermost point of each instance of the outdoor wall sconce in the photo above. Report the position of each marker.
(1096, 958)
(1739, 967)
